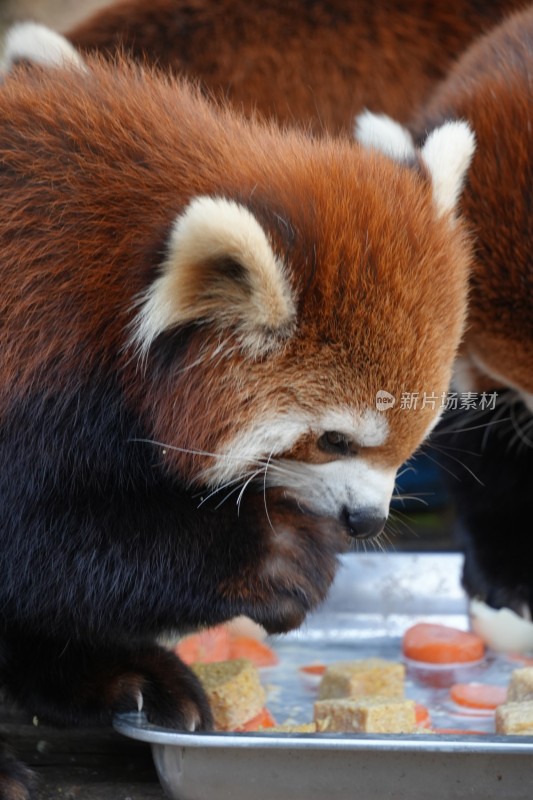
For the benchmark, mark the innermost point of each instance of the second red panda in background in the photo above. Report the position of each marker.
(197, 315)
(317, 63)
(491, 87)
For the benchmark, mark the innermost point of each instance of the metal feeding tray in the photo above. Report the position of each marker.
(375, 598)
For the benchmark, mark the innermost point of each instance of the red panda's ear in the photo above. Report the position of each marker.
(446, 154)
(37, 44)
(380, 132)
(221, 269)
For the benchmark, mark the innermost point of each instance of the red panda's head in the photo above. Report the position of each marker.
(267, 300)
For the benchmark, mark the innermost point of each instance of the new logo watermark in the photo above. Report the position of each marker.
(384, 400)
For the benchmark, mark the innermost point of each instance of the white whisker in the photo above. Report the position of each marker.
(268, 464)
(394, 515)
(419, 499)
(247, 483)
(453, 458)
(388, 540)
(193, 452)
(454, 449)
(520, 434)
(407, 468)
(221, 488)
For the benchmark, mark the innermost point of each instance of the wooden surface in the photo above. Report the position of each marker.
(82, 764)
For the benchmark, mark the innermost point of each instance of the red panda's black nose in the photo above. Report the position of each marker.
(363, 524)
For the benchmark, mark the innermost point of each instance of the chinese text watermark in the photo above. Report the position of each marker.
(445, 401)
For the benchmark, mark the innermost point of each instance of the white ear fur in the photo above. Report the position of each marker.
(220, 268)
(447, 154)
(384, 134)
(29, 41)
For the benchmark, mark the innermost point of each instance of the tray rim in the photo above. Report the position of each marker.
(135, 726)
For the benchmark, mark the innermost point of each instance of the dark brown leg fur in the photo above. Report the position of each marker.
(16, 781)
(68, 683)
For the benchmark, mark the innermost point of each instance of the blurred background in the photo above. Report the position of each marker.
(59, 14)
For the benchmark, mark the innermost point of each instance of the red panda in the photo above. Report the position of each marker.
(317, 63)
(197, 314)
(491, 88)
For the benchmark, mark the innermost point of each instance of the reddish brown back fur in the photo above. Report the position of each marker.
(491, 87)
(314, 62)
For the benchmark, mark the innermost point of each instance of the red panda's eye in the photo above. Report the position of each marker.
(336, 443)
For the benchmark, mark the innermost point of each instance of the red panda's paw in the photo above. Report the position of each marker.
(75, 683)
(164, 689)
(17, 782)
(297, 566)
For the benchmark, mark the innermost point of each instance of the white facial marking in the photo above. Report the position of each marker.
(380, 132)
(265, 438)
(368, 428)
(29, 41)
(327, 489)
(275, 435)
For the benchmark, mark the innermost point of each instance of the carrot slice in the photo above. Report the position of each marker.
(255, 651)
(205, 647)
(219, 644)
(422, 718)
(313, 669)
(478, 695)
(439, 644)
(263, 720)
